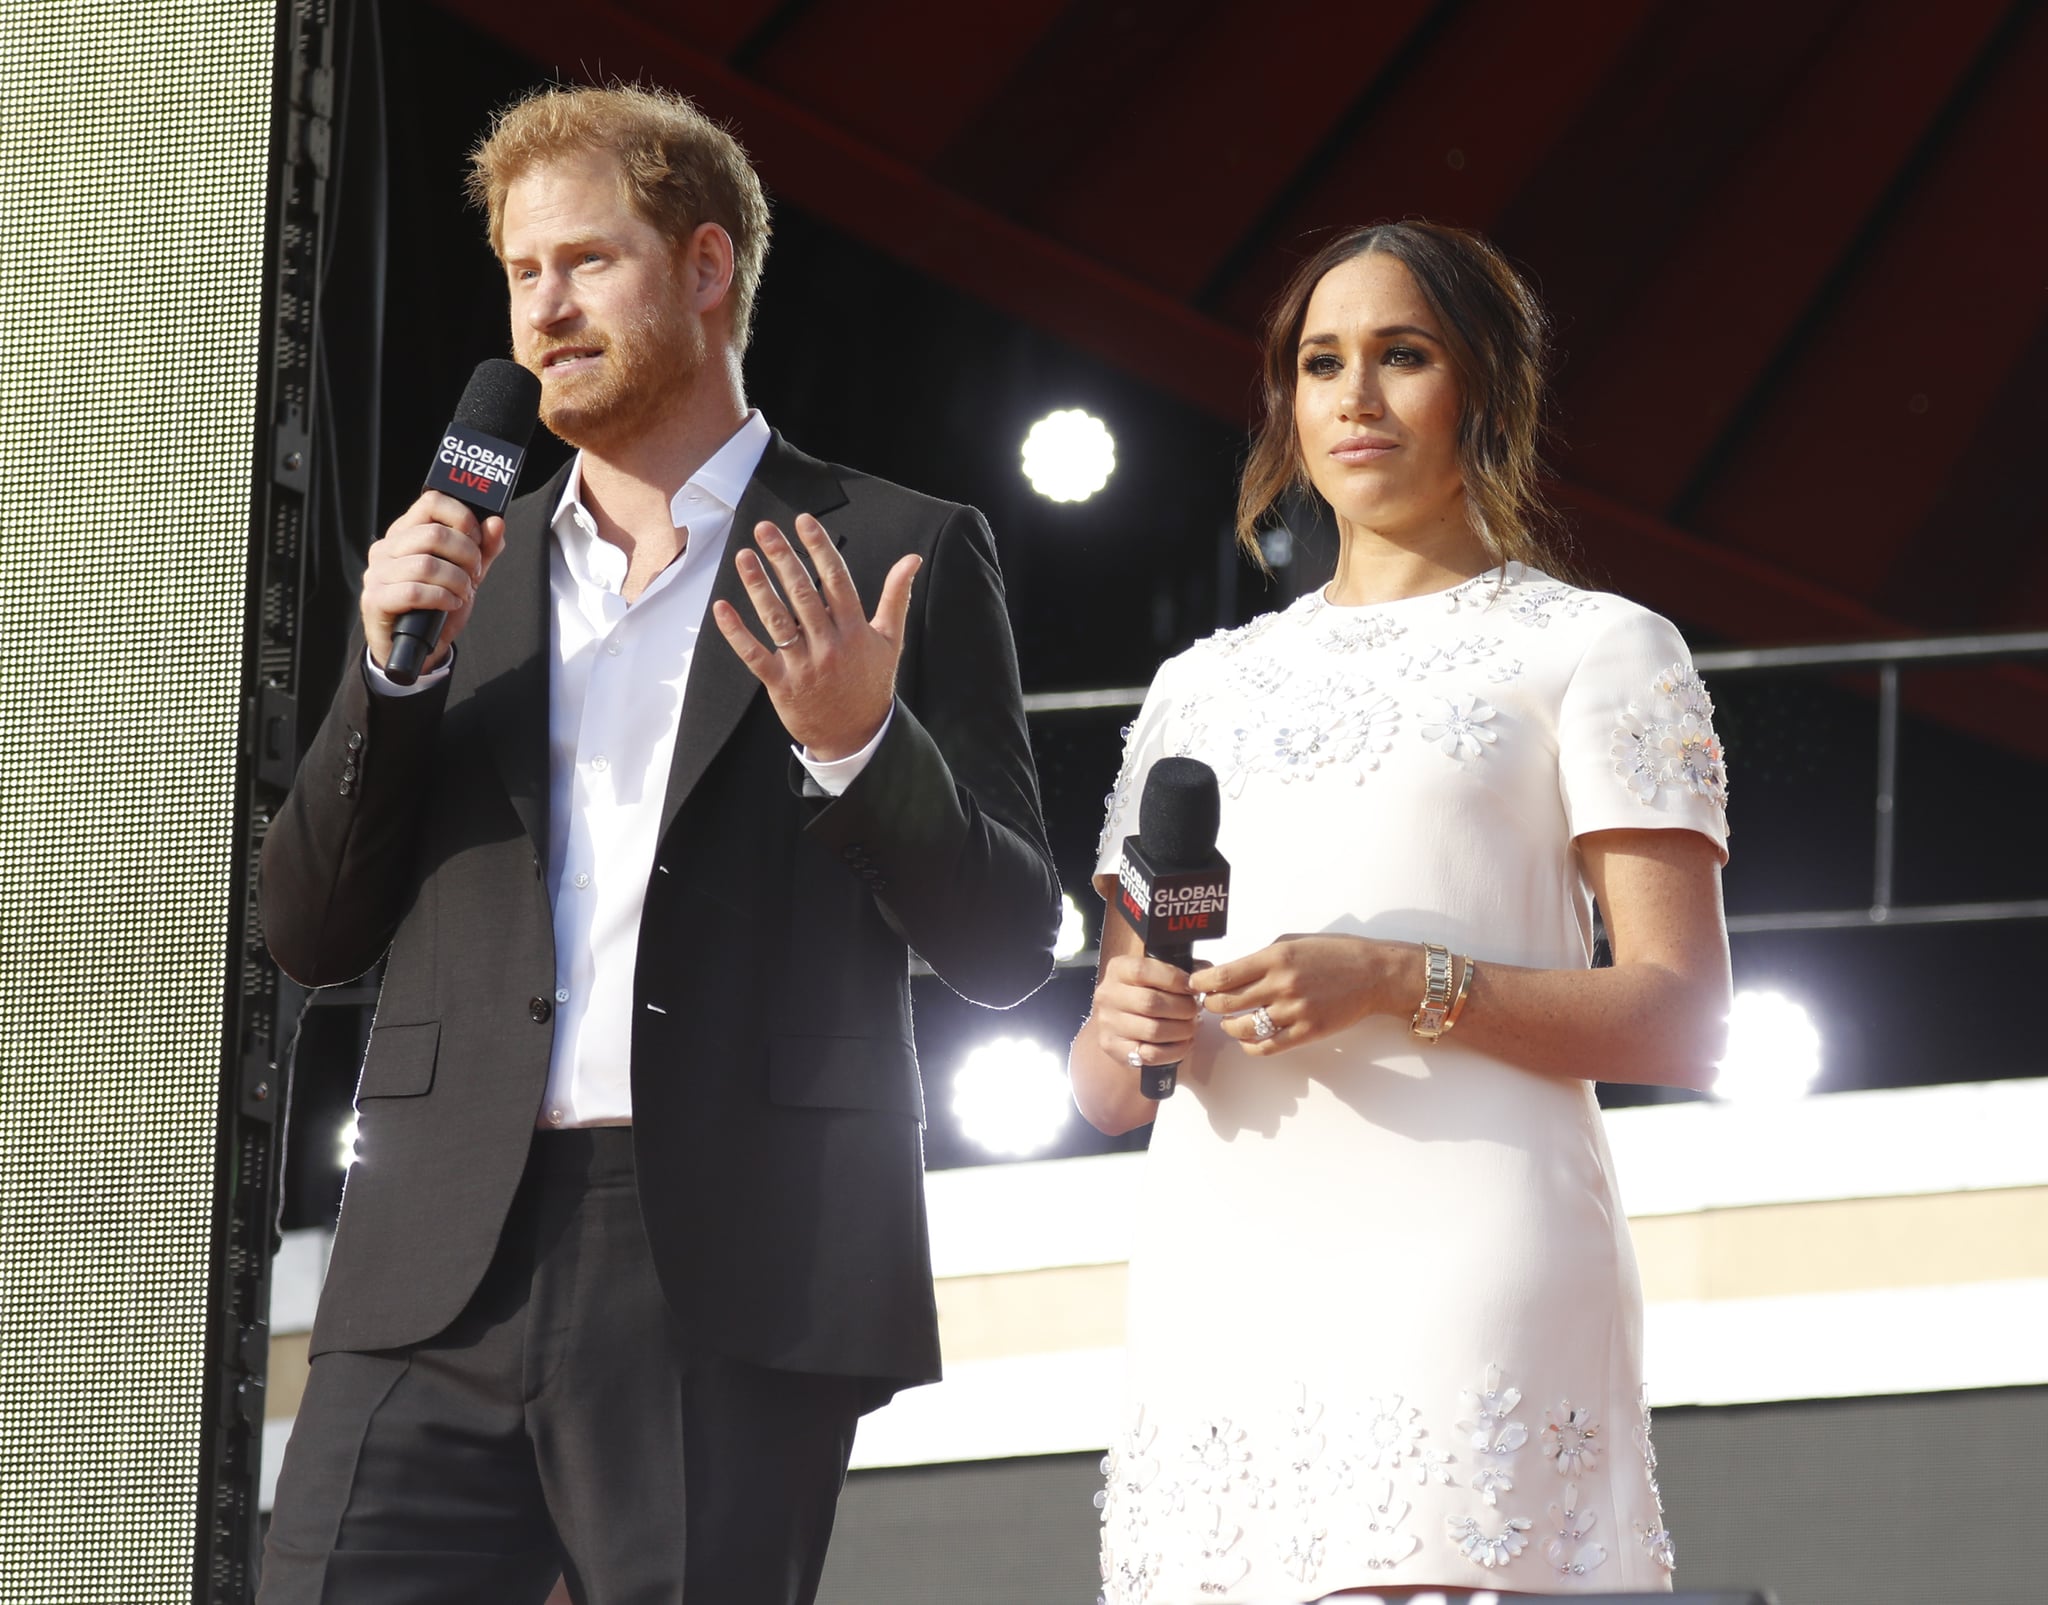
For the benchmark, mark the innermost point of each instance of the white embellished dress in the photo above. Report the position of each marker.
(1385, 1326)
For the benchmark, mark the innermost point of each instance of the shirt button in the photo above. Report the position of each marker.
(554, 1117)
(600, 763)
(582, 881)
(611, 649)
(539, 1010)
(561, 994)
(355, 741)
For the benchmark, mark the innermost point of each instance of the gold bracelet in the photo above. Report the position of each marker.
(1430, 1013)
(1464, 992)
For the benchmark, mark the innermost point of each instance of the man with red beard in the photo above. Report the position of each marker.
(636, 1230)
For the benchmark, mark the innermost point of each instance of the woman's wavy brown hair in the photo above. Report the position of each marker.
(1499, 340)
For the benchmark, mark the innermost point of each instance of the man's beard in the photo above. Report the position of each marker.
(646, 369)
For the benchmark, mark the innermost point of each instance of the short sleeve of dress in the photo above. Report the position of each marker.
(1635, 736)
(1144, 745)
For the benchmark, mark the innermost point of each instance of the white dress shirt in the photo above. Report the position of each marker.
(615, 701)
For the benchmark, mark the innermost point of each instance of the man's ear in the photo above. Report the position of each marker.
(708, 266)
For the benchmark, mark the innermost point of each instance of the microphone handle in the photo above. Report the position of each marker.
(413, 639)
(1157, 1081)
(416, 634)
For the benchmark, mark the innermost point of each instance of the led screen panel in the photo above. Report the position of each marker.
(134, 148)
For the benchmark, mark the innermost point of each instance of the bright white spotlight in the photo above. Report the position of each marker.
(1073, 935)
(1010, 1097)
(345, 1142)
(1773, 1050)
(1069, 455)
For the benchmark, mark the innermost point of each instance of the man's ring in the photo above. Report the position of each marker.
(1262, 1024)
(784, 646)
(1135, 1059)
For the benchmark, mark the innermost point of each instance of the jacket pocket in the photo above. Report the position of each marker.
(845, 1073)
(400, 1063)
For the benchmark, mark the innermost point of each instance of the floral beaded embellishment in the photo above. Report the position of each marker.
(1464, 653)
(1456, 726)
(1494, 1438)
(1127, 1581)
(1236, 640)
(1221, 1570)
(1281, 1499)
(1331, 721)
(1216, 1459)
(1674, 744)
(1302, 1551)
(1656, 1541)
(1363, 634)
(1256, 674)
(1130, 1558)
(1568, 1553)
(1570, 1439)
(1483, 590)
(1119, 796)
(1392, 1433)
(1491, 1548)
(1383, 1545)
(1535, 605)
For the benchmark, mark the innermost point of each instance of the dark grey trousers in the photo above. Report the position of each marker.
(546, 1433)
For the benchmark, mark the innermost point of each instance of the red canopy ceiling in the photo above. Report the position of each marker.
(1798, 252)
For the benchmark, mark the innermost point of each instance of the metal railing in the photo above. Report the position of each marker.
(1887, 658)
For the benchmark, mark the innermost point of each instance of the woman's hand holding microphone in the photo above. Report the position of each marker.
(1293, 992)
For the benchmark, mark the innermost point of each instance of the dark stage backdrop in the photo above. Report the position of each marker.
(1929, 1499)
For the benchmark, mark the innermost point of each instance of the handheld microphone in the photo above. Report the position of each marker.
(1173, 887)
(478, 464)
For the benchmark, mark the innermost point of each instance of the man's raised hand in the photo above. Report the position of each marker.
(829, 670)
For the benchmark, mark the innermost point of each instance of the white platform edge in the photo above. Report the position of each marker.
(1671, 1159)
(1894, 1142)
(1735, 1351)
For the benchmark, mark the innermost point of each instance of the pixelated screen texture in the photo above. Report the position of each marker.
(134, 143)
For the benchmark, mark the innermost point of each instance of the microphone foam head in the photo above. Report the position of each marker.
(502, 399)
(1179, 812)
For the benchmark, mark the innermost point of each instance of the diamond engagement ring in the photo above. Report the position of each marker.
(1262, 1024)
(1135, 1059)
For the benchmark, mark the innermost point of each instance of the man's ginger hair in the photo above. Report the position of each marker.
(677, 169)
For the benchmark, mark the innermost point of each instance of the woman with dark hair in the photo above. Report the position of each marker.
(1385, 1326)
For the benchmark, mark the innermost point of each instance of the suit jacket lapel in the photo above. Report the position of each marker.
(509, 664)
(720, 686)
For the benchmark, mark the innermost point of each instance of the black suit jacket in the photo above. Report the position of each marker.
(777, 1106)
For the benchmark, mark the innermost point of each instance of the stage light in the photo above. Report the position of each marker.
(1773, 1049)
(1069, 455)
(1073, 937)
(345, 1151)
(1010, 1097)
